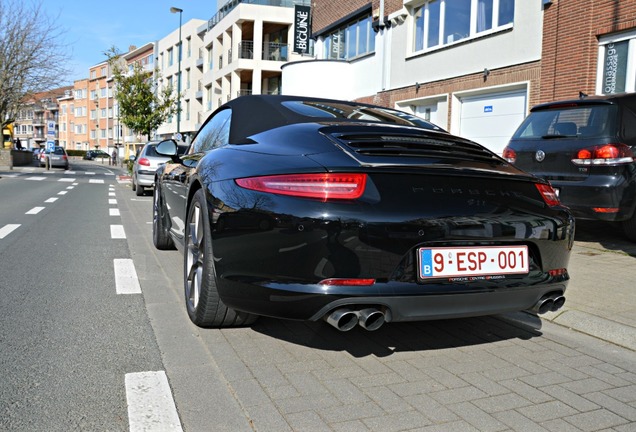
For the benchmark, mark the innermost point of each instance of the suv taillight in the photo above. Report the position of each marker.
(510, 155)
(607, 154)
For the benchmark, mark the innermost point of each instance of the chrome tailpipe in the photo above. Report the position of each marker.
(559, 301)
(344, 319)
(371, 319)
(549, 303)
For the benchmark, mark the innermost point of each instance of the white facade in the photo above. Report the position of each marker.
(244, 51)
(397, 63)
(167, 62)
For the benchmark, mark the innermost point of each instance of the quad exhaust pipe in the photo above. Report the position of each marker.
(549, 303)
(344, 319)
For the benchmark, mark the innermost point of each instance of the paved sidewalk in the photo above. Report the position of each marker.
(601, 295)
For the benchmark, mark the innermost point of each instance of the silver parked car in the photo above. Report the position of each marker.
(145, 164)
(55, 158)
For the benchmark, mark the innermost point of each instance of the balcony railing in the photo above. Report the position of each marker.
(230, 5)
(246, 49)
(244, 92)
(275, 51)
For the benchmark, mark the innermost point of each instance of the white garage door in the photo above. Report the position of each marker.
(491, 119)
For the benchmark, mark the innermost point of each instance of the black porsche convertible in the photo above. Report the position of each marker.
(310, 209)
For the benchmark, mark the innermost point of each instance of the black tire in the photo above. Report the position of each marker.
(134, 185)
(139, 190)
(160, 235)
(205, 307)
(629, 227)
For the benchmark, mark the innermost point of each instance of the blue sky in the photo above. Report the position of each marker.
(93, 27)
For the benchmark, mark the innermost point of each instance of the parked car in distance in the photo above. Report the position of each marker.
(95, 154)
(145, 164)
(55, 158)
(585, 148)
(316, 209)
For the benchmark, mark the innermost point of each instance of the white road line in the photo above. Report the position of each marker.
(113, 212)
(111, 193)
(70, 187)
(75, 184)
(62, 193)
(51, 200)
(69, 180)
(89, 173)
(112, 201)
(7, 229)
(70, 172)
(35, 178)
(9, 175)
(150, 403)
(117, 232)
(126, 280)
(35, 210)
(96, 181)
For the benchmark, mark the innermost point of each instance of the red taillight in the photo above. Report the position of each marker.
(549, 194)
(347, 282)
(144, 162)
(324, 186)
(608, 154)
(510, 155)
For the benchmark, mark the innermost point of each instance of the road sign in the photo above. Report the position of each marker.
(50, 145)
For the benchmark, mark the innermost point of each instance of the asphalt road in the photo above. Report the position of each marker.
(69, 344)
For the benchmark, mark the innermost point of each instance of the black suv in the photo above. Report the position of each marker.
(585, 148)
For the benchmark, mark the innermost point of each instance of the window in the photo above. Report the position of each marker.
(443, 22)
(103, 92)
(170, 57)
(103, 113)
(93, 114)
(353, 40)
(616, 71)
(215, 133)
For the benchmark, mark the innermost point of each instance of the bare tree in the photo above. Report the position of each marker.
(32, 54)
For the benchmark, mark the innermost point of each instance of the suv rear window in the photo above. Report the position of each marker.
(586, 121)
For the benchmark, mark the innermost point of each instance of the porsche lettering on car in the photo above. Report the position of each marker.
(314, 209)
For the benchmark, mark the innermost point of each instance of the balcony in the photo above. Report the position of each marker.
(199, 61)
(230, 5)
(246, 50)
(199, 93)
(275, 51)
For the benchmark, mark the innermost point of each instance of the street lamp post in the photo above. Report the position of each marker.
(180, 11)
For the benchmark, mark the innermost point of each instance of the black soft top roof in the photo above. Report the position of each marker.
(257, 113)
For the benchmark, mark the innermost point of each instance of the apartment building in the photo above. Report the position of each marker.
(182, 70)
(38, 120)
(245, 45)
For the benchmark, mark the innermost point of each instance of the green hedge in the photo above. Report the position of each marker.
(81, 153)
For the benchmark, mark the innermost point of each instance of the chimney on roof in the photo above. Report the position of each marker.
(131, 48)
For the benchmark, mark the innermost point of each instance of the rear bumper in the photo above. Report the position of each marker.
(306, 302)
(145, 178)
(599, 192)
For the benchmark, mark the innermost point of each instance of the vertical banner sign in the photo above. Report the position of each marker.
(615, 67)
(301, 28)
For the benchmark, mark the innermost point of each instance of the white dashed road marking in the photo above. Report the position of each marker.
(96, 181)
(112, 201)
(113, 212)
(35, 210)
(35, 178)
(126, 281)
(150, 403)
(50, 200)
(62, 193)
(69, 180)
(117, 232)
(7, 229)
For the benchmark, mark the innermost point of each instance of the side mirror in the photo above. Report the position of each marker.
(132, 158)
(167, 148)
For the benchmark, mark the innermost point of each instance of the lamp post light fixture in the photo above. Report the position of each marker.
(180, 12)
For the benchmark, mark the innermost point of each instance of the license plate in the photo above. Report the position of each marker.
(451, 262)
